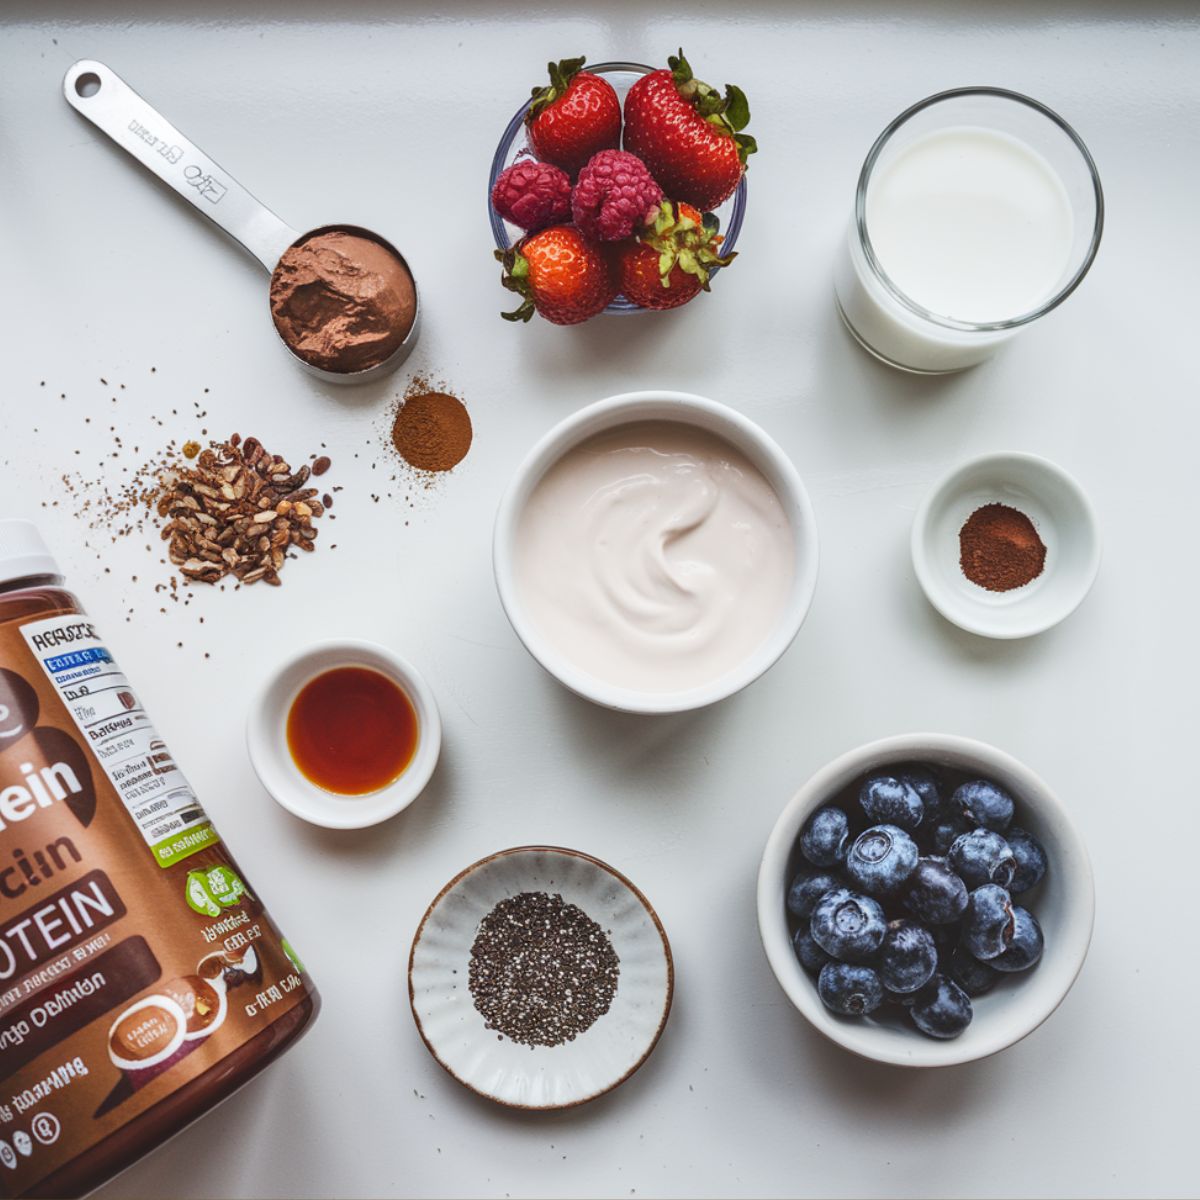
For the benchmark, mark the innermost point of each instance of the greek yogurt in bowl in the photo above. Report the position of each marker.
(656, 552)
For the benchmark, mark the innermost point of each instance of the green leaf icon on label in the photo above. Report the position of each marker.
(208, 891)
(198, 897)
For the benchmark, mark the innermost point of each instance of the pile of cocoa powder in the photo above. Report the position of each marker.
(430, 428)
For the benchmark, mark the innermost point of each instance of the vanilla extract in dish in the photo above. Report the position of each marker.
(352, 731)
(655, 556)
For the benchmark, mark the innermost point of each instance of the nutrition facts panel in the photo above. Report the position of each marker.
(116, 729)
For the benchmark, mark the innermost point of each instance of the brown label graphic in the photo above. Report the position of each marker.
(45, 767)
(58, 922)
(75, 1001)
(19, 708)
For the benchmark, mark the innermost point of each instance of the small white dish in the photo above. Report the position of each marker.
(1063, 517)
(540, 1077)
(1064, 903)
(627, 409)
(266, 737)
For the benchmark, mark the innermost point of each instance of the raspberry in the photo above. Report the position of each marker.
(533, 195)
(614, 195)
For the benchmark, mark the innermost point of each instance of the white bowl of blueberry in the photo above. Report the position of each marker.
(925, 900)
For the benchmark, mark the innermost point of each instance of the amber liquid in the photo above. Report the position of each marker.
(352, 731)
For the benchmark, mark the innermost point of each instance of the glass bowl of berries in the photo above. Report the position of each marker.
(925, 900)
(618, 188)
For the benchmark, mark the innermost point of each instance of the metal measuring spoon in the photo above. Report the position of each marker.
(116, 109)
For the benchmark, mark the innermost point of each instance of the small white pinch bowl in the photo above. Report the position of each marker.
(540, 1077)
(266, 737)
(1064, 904)
(1064, 519)
(685, 408)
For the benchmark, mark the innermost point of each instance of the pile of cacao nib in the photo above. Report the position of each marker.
(238, 510)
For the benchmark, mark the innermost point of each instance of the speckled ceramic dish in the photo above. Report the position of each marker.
(540, 1077)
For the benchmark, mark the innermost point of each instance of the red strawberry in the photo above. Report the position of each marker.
(688, 134)
(668, 265)
(562, 274)
(575, 117)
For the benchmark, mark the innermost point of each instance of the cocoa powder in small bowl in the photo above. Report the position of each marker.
(431, 428)
(1000, 548)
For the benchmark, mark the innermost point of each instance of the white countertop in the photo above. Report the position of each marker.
(390, 119)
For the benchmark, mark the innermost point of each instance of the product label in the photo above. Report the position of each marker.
(109, 715)
(134, 954)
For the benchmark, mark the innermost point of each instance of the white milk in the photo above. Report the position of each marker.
(971, 224)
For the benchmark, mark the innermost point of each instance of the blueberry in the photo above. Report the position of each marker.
(907, 956)
(1026, 946)
(973, 976)
(807, 888)
(947, 831)
(885, 798)
(812, 957)
(1031, 859)
(925, 783)
(945, 938)
(847, 925)
(854, 991)
(826, 838)
(982, 856)
(983, 803)
(881, 859)
(942, 1009)
(988, 926)
(935, 893)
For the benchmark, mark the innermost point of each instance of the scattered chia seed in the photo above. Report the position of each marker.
(542, 971)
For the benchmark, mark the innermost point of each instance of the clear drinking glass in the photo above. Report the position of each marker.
(894, 324)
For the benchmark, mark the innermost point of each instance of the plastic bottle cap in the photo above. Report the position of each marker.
(23, 553)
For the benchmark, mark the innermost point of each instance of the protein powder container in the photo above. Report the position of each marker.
(141, 979)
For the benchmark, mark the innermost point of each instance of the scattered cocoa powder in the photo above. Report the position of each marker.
(1000, 549)
(431, 428)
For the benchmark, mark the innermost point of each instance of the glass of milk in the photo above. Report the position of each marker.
(978, 211)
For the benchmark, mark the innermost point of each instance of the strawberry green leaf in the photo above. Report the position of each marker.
(679, 67)
(746, 146)
(515, 277)
(524, 313)
(737, 107)
(561, 74)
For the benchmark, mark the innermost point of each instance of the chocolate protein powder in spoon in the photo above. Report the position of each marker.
(342, 302)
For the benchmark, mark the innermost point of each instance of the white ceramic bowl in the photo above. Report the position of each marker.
(266, 737)
(540, 1077)
(704, 414)
(1064, 904)
(1065, 522)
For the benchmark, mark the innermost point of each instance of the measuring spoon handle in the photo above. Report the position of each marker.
(102, 96)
